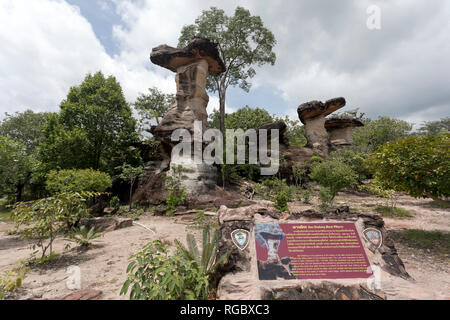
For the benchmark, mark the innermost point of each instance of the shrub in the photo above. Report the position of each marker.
(46, 218)
(70, 181)
(392, 212)
(281, 201)
(419, 166)
(354, 161)
(177, 193)
(326, 198)
(334, 175)
(154, 274)
(10, 280)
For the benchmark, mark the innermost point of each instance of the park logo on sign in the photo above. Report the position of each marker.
(374, 236)
(240, 238)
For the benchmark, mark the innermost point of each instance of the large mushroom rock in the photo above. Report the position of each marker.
(192, 65)
(312, 114)
(340, 130)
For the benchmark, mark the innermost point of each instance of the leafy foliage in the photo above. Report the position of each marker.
(355, 160)
(46, 218)
(155, 274)
(177, 192)
(71, 181)
(152, 106)
(206, 261)
(378, 132)
(16, 167)
(94, 129)
(435, 127)
(419, 166)
(25, 128)
(334, 175)
(130, 174)
(243, 42)
(10, 280)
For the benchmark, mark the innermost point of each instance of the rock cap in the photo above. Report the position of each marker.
(342, 122)
(199, 48)
(315, 108)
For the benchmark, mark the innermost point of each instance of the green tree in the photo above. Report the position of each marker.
(95, 126)
(130, 174)
(434, 127)
(243, 42)
(378, 132)
(67, 181)
(16, 167)
(24, 127)
(419, 166)
(244, 118)
(152, 106)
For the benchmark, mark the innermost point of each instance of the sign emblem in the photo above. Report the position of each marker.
(240, 238)
(374, 236)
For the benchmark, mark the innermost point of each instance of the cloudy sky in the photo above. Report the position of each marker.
(324, 50)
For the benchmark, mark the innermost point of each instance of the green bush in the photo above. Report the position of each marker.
(334, 175)
(48, 217)
(155, 274)
(70, 181)
(281, 201)
(419, 166)
(355, 161)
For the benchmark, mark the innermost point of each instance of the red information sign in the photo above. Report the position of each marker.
(310, 251)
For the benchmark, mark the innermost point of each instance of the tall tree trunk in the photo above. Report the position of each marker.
(19, 192)
(222, 129)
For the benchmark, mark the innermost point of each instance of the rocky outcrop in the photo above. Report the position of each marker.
(340, 131)
(106, 224)
(312, 114)
(192, 64)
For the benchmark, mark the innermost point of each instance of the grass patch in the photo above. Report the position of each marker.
(422, 239)
(394, 212)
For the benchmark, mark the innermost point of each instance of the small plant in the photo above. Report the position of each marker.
(326, 198)
(201, 221)
(155, 274)
(298, 175)
(306, 195)
(84, 236)
(10, 280)
(207, 259)
(114, 202)
(177, 193)
(281, 201)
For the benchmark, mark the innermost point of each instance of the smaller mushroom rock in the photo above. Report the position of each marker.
(340, 130)
(313, 114)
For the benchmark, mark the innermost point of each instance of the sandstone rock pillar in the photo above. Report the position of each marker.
(192, 65)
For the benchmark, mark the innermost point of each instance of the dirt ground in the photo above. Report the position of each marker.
(103, 267)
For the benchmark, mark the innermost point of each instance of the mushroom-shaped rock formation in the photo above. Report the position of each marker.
(340, 131)
(192, 64)
(312, 114)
